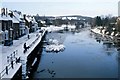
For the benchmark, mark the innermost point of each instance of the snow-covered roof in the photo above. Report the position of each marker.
(15, 20)
(6, 31)
(33, 20)
(1, 32)
(4, 17)
(21, 16)
(11, 29)
(29, 18)
(43, 22)
(16, 15)
(27, 27)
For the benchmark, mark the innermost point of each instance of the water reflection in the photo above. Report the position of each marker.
(108, 46)
(58, 36)
(118, 58)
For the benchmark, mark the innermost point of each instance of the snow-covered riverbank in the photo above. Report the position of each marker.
(107, 38)
(104, 33)
(57, 28)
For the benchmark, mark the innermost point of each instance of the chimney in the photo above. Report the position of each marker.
(24, 16)
(2, 11)
(6, 12)
(11, 14)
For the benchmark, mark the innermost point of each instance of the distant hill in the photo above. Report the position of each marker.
(73, 17)
(85, 18)
(79, 16)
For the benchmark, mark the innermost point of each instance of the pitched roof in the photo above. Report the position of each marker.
(15, 20)
(4, 17)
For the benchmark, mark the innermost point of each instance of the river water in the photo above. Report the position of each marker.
(83, 57)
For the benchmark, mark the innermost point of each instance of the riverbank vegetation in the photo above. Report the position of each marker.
(110, 24)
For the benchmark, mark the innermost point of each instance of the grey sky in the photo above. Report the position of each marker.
(64, 7)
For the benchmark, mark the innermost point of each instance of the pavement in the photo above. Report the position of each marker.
(16, 51)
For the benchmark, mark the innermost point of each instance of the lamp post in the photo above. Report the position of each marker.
(28, 32)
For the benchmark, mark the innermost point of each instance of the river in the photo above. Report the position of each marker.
(83, 57)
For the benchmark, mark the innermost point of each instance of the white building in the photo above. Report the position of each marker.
(119, 8)
(1, 32)
(33, 24)
(18, 18)
(5, 29)
(21, 23)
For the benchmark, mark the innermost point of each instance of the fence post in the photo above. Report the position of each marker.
(14, 54)
(8, 59)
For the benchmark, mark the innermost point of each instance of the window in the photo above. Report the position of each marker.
(0, 26)
(5, 36)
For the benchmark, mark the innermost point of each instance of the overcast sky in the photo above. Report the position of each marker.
(64, 7)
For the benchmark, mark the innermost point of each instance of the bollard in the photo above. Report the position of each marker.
(16, 60)
(11, 57)
(12, 64)
(28, 36)
(8, 59)
(7, 70)
(14, 54)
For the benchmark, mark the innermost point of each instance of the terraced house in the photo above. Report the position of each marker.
(6, 27)
(12, 26)
(31, 23)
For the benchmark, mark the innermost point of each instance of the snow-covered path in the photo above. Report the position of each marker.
(18, 48)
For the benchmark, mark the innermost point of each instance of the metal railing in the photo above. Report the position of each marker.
(38, 36)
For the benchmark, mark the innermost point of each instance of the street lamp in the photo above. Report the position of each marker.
(27, 31)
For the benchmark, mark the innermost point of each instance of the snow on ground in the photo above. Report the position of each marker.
(54, 46)
(96, 30)
(69, 26)
(56, 28)
(53, 41)
(107, 39)
(18, 46)
(17, 66)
